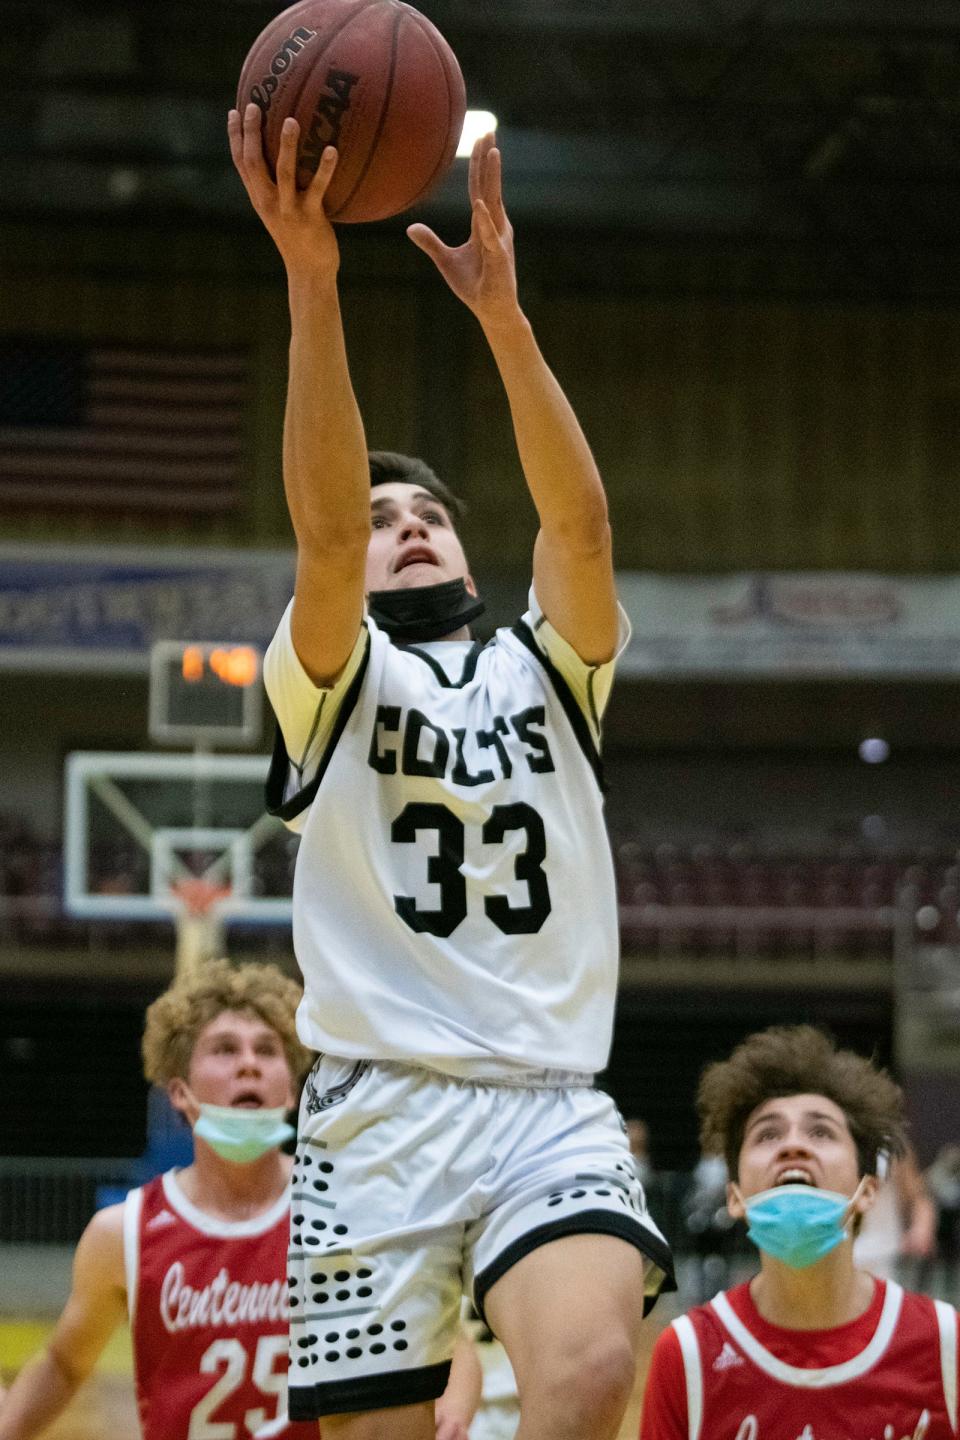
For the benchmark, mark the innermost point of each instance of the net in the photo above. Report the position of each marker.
(199, 927)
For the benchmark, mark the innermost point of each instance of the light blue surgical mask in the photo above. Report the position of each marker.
(798, 1224)
(242, 1135)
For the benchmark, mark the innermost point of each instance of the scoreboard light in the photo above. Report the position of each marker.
(205, 693)
(233, 664)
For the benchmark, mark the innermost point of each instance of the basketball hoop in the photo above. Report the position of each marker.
(199, 929)
(197, 895)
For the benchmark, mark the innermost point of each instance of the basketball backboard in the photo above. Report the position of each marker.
(137, 826)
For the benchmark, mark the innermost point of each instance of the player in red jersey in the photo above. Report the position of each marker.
(196, 1258)
(812, 1348)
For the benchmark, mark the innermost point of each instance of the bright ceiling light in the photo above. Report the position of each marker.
(475, 124)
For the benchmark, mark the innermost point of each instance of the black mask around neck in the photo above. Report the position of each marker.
(425, 612)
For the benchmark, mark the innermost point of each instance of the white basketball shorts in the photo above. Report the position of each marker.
(411, 1188)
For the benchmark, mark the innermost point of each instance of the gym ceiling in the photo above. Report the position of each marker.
(772, 123)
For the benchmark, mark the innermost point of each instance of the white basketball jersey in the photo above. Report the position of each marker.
(454, 901)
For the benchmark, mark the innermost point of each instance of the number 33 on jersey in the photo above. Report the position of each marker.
(454, 894)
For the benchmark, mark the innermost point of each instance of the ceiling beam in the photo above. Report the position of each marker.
(702, 17)
(901, 18)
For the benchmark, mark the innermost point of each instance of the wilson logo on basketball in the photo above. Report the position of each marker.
(328, 116)
(263, 93)
(222, 1302)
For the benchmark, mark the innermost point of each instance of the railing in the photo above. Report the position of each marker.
(45, 1200)
(48, 1201)
(748, 931)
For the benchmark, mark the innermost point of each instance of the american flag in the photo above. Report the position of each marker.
(134, 429)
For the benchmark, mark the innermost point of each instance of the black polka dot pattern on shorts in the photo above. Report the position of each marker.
(353, 1343)
(628, 1193)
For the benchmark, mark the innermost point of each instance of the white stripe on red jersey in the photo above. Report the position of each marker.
(208, 1315)
(721, 1372)
(900, 1386)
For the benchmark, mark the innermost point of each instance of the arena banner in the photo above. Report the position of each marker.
(72, 608)
(813, 625)
(101, 608)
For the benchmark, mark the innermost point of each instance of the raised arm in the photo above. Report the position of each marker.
(573, 562)
(97, 1305)
(325, 472)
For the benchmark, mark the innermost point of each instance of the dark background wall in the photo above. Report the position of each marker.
(732, 433)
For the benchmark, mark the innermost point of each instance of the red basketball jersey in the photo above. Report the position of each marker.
(208, 1313)
(891, 1375)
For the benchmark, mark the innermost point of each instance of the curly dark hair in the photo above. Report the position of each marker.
(387, 465)
(799, 1060)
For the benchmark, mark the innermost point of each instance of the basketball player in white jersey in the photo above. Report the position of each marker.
(454, 905)
(813, 1348)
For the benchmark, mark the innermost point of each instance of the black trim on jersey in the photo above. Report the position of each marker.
(466, 674)
(578, 721)
(585, 1222)
(367, 1392)
(280, 761)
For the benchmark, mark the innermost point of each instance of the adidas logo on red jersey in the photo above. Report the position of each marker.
(162, 1218)
(727, 1358)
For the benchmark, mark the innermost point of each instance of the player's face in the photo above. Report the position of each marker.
(239, 1060)
(798, 1139)
(412, 540)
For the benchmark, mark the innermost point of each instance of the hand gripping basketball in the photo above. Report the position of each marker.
(295, 219)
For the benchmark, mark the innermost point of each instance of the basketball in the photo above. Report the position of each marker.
(375, 79)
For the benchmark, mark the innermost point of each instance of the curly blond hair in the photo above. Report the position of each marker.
(176, 1017)
(799, 1060)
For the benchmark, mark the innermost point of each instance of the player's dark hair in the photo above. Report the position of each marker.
(387, 465)
(799, 1060)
